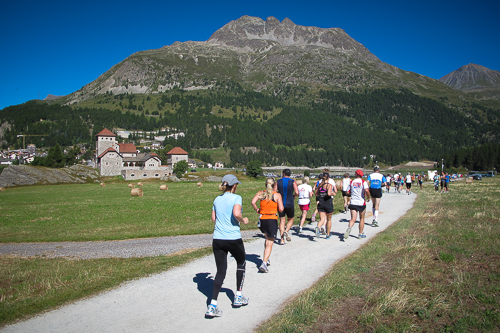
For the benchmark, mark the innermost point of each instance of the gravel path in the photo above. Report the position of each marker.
(176, 300)
(144, 247)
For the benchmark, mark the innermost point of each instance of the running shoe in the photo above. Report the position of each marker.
(240, 300)
(313, 218)
(346, 234)
(268, 263)
(282, 241)
(374, 224)
(323, 231)
(317, 232)
(328, 237)
(361, 236)
(263, 268)
(213, 311)
(287, 237)
(299, 230)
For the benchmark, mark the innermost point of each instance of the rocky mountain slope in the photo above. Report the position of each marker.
(476, 80)
(471, 77)
(268, 56)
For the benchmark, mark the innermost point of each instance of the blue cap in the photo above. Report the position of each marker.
(230, 179)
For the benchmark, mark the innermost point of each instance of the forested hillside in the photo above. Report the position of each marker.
(337, 128)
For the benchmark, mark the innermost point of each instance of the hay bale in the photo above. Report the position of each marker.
(338, 183)
(163, 187)
(299, 181)
(2, 189)
(468, 180)
(199, 184)
(139, 184)
(136, 192)
(102, 184)
(131, 185)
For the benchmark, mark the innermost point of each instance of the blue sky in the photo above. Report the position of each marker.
(56, 47)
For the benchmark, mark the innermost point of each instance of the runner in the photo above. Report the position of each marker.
(397, 180)
(359, 191)
(376, 181)
(420, 182)
(305, 194)
(324, 194)
(346, 182)
(388, 184)
(270, 203)
(401, 181)
(408, 183)
(287, 187)
(227, 216)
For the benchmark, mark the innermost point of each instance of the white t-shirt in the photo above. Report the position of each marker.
(358, 187)
(408, 178)
(304, 194)
(346, 182)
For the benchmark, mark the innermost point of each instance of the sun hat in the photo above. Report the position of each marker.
(359, 172)
(230, 180)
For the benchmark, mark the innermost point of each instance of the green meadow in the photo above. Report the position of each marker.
(435, 269)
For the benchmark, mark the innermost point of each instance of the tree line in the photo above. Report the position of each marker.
(338, 128)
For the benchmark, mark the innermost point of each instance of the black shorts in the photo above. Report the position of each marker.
(376, 192)
(357, 208)
(288, 211)
(408, 186)
(346, 194)
(269, 227)
(326, 206)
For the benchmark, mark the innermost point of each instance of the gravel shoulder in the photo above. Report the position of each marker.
(176, 300)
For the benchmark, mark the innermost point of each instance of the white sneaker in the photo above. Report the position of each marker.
(240, 300)
(213, 311)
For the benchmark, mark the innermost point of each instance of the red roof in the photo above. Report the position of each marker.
(107, 151)
(105, 132)
(127, 148)
(177, 151)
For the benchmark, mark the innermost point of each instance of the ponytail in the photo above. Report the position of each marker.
(270, 182)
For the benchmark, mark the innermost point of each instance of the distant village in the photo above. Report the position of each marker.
(121, 159)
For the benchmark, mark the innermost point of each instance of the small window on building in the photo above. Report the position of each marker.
(132, 175)
(157, 175)
(145, 175)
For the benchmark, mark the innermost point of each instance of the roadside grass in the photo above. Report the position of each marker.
(86, 212)
(435, 269)
(34, 285)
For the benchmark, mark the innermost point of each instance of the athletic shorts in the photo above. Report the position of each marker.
(346, 194)
(357, 208)
(408, 186)
(288, 211)
(376, 192)
(269, 227)
(325, 206)
(304, 207)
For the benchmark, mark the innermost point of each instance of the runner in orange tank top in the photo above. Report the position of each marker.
(270, 203)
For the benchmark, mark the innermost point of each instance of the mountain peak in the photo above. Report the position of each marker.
(472, 76)
(255, 34)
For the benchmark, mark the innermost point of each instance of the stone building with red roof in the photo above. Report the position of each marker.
(114, 159)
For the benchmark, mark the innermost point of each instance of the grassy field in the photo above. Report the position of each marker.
(87, 212)
(436, 269)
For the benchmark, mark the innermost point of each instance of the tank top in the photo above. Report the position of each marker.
(285, 188)
(323, 192)
(268, 209)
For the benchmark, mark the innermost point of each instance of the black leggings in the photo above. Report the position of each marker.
(221, 248)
